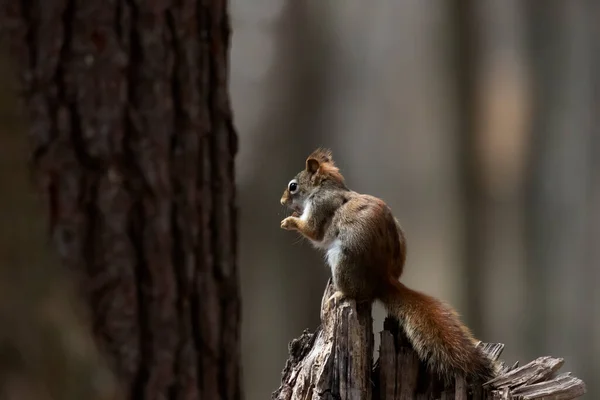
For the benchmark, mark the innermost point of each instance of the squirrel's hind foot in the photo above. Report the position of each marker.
(335, 298)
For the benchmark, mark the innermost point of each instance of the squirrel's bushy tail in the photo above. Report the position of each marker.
(437, 334)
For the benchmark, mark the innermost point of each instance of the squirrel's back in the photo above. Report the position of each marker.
(374, 253)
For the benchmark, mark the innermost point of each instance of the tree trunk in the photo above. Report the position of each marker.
(560, 184)
(466, 66)
(46, 351)
(133, 148)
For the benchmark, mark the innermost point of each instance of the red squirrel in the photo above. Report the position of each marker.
(365, 248)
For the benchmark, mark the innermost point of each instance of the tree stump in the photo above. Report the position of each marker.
(336, 362)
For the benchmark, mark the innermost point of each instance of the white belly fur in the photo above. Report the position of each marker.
(333, 255)
(333, 249)
(306, 211)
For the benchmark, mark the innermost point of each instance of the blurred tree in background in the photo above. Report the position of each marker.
(132, 146)
(562, 178)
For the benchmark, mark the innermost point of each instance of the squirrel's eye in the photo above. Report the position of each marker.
(293, 186)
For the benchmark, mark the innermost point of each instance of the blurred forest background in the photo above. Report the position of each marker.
(476, 121)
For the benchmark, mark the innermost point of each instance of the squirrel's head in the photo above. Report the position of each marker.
(320, 172)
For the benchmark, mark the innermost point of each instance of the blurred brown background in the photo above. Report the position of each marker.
(476, 121)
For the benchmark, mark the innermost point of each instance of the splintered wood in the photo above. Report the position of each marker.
(335, 362)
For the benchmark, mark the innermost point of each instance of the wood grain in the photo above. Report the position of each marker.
(336, 362)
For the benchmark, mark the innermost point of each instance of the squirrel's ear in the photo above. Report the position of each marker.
(312, 165)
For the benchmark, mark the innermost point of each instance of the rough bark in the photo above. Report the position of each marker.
(46, 351)
(133, 148)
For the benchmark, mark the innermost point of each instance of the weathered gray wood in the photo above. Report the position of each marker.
(536, 371)
(477, 392)
(408, 373)
(335, 362)
(493, 350)
(460, 391)
(387, 367)
(534, 381)
(561, 388)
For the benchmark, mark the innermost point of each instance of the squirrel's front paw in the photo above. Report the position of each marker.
(289, 223)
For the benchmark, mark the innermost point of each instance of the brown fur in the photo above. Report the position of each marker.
(366, 250)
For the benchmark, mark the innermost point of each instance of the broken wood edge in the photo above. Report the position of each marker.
(336, 362)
